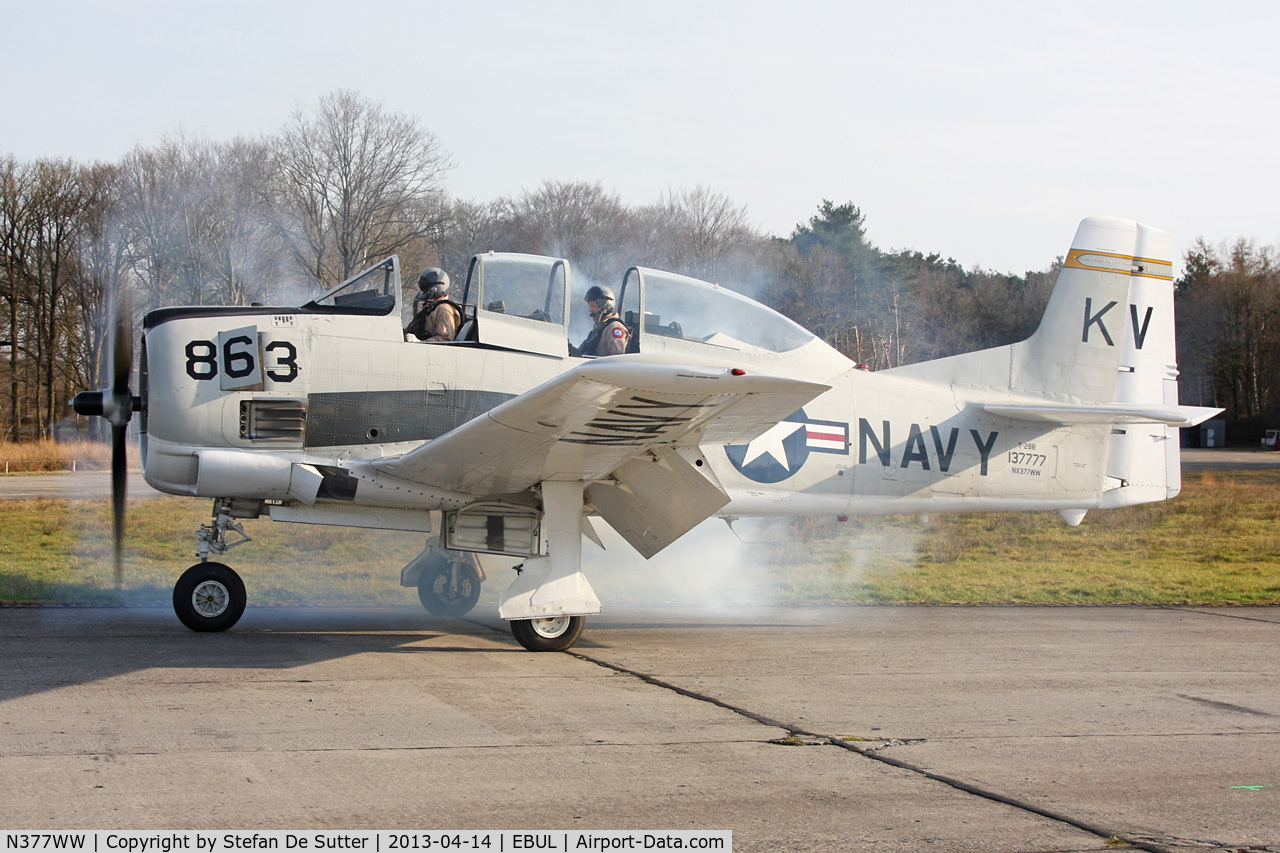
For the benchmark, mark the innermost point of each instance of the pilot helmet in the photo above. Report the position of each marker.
(604, 299)
(434, 282)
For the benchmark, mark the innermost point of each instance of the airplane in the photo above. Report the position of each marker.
(502, 442)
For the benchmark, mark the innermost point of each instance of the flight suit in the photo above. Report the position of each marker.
(609, 337)
(434, 321)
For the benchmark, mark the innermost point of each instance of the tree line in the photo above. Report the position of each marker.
(344, 182)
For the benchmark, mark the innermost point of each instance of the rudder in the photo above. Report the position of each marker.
(1144, 462)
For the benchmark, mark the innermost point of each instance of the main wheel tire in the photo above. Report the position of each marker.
(436, 592)
(209, 597)
(552, 634)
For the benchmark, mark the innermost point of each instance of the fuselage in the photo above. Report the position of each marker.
(236, 398)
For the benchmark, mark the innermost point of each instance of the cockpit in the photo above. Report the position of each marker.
(532, 303)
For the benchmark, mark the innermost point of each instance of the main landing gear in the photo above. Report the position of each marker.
(448, 581)
(550, 634)
(448, 584)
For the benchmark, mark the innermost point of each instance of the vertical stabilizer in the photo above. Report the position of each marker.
(1075, 353)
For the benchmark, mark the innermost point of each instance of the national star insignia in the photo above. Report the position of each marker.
(771, 443)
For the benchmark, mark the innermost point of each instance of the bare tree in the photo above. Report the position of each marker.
(241, 255)
(17, 188)
(474, 227)
(353, 183)
(163, 190)
(691, 230)
(578, 220)
(101, 269)
(1228, 322)
(60, 209)
(43, 209)
(196, 222)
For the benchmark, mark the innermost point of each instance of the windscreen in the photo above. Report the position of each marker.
(372, 291)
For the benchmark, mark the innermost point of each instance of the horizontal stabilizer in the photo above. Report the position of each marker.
(1115, 413)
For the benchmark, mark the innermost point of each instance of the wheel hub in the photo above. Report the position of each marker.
(449, 592)
(210, 599)
(551, 626)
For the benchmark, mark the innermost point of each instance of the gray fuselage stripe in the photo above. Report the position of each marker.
(384, 417)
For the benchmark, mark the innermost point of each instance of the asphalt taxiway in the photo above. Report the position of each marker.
(835, 728)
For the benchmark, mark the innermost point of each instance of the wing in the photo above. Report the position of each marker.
(586, 423)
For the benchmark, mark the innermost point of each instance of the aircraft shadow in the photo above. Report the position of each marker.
(47, 648)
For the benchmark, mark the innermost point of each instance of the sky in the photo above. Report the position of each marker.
(983, 131)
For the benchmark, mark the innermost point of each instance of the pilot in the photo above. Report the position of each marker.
(609, 335)
(435, 316)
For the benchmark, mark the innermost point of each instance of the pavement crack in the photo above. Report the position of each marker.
(797, 740)
(797, 736)
(1220, 615)
(877, 744)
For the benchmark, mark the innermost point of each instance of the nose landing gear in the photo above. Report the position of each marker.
(209, 597)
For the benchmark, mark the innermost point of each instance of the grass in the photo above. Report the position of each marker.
(56, 551)
(48, 455)
(1217, 543)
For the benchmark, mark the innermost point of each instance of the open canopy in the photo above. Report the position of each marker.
(531, 303)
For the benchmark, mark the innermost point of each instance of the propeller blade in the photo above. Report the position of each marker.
(119, 482)
(118, 412)
(120, 355)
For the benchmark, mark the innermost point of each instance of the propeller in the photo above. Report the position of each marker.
(116, 404)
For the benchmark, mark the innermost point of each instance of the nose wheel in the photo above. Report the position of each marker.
(209, 597)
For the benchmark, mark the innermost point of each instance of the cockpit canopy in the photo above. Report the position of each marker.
(518, 302)
(680, 311)
(531, 303)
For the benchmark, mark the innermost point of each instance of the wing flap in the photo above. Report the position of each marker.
(655, 499)
(585, 423)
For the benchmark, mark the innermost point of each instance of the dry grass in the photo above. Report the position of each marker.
(47, 455)
(1219, 542)
(60, 551)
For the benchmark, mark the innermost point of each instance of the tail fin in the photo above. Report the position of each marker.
(1074, 356)
(1112, 313)
(1090, 323)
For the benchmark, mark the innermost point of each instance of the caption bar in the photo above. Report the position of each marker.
(370, 841)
